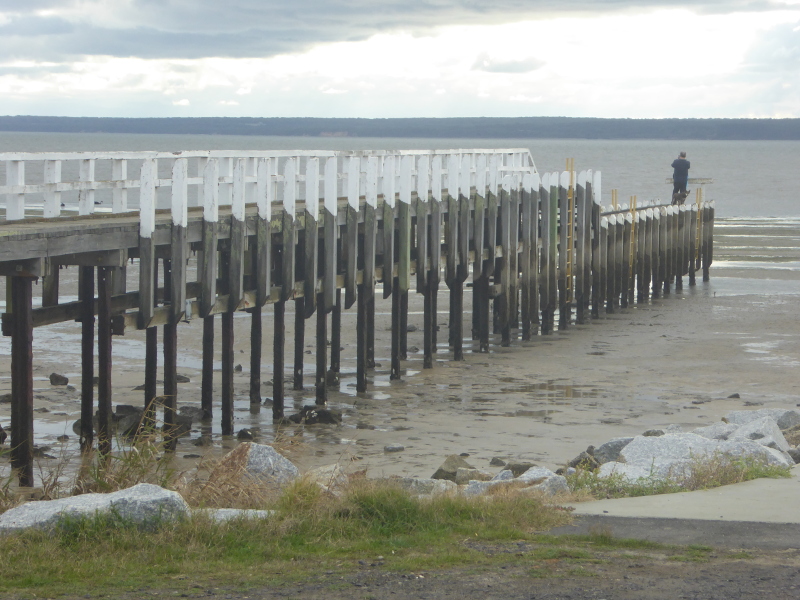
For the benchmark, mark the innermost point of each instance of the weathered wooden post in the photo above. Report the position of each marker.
(366, 292)
(564, 254)
(692, 234)
(527, 260)
(627, 259)
(331, 295)
(261, 267)
(406, 168)
(21, 296)
(148, 287)
(547, 255)
(656, 258)
(207, 272)
(435, 254)
(611, 263)
(595, 226)
(581, 283)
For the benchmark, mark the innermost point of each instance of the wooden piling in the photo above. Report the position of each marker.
(365, 318)
(170, 347)
(22, 381)
(564, 258)
(548, 246)
(86, 294)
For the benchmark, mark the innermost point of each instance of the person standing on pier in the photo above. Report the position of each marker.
(680, 175)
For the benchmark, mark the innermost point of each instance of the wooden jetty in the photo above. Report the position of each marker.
(326, 231)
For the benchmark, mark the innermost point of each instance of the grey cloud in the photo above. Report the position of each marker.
(485, 63)
(258, 28)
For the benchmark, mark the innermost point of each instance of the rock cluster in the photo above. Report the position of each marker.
(661, 454)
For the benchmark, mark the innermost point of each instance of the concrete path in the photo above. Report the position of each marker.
(762, 513)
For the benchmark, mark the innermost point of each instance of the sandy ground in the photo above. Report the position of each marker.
(673, 360)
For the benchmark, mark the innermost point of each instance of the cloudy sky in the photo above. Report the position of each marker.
(400, 58)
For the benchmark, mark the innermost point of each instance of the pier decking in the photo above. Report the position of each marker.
(212, 233)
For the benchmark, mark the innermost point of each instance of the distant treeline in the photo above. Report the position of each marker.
(457, 127)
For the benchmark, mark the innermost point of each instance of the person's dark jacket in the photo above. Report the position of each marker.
(681, 166)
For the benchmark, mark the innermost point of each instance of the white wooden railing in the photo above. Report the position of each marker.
(53, 184)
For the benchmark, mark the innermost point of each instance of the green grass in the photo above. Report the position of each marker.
(704, 473)
(311, 531)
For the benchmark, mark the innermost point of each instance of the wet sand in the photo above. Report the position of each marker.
(673, 360)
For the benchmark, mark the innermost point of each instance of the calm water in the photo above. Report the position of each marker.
(751, 179)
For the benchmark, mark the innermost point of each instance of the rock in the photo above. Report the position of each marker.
(653, 433)
(182, 379)
(203, 440)
(237, 369)
(464, 476)
(647, 450)
(363, 425)
(331, 478)
(56, 379)
(259, 463)
(519, 468)
(311, 415)
(394, 448)
(734, 395)
(223, 515)
(426, 487)
(244, 435)
(5, 399)
(504, 475)
(536, 475)
(673, 428)
(749, 449)
(793, 452)
(556, 484)
(181, 427)
(629, 473)
(128, 425)
(497, 462)
(717, 431)
(121, 410)
(3, 435)
(584, 461)
(765, 431)
(792, 435)
(411, 328)
(477, 488)
(194, 412)
(609, 452)
(785, 418)
(144, 504)
(448, 469)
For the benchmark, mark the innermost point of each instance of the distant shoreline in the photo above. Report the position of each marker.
(456, 127)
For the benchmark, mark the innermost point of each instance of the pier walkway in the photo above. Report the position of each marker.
(207, 234)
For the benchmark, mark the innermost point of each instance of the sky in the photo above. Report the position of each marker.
(400, 58)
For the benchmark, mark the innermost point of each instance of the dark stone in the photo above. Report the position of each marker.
(63, 438)
(56, 379)
(237, 369)
(127, 409)
(3, 435)
(795, 454)
(734, 396)
(268, 402)
(584, 461)
(497, 462)
(363, 425)
(203, 440)
(181, 427)
(311, 415)
(192, 456)
(518, 469)
(653, 433)
(464, 454)
(182, 379)
(5, 399)
(42, 409)
(195, 413)
(411, 328)
(448, 469)
(244, 435)
(394, 448)
(139, 388)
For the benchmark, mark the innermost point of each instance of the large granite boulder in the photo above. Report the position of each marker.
(609, 452)
(256, 463)
(765, 431)
(785, 418)
(449, 468)
(426, 487)
(144, 504)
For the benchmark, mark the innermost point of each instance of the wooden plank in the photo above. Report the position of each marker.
(330, 234)
(564, 257)
(350, 241)
(336, 340)
(388, 238)
(50, 284)
(580, 249)
(299, 343)
(227, 356)
(265, 192)
(547, 257)
(626, 260)
(147, 204)
(692, 245)
(611, 264)
(15, 203)
(311, 249)
(434, 274)
(235, 271)
(321, 383)
(587, 242)
(22, 380)
(288, 230)
(52, 197)
(178, 247)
